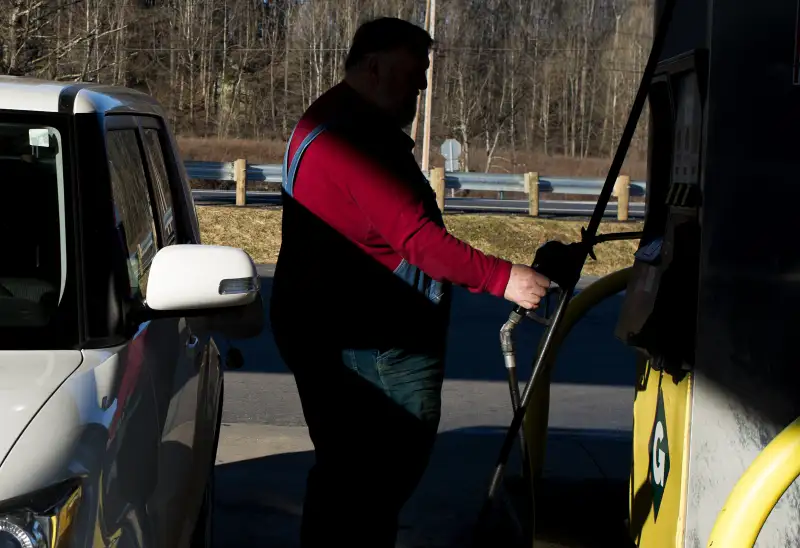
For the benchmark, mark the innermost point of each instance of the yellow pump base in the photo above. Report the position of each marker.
(661, 426)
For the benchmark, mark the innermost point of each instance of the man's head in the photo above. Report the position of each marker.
(387, 63)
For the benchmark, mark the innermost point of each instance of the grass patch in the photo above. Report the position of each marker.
(512, 237)
(516, 238)
(256, 230)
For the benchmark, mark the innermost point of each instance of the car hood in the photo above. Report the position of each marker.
(27, 380)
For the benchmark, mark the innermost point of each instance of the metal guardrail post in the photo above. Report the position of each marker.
(622, 189)
(532, 188)
(240, 175)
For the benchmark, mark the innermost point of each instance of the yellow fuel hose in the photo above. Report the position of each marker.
(536, 416)
(758, 491)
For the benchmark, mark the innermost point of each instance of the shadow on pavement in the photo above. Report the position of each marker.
(259, 501)
(583, 497)
(590, 355)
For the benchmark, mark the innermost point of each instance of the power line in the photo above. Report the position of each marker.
(236, 49)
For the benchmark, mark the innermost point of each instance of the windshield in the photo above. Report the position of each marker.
(33, 240)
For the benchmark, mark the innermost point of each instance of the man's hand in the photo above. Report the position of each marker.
(526, 287)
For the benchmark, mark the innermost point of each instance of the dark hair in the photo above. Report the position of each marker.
(387, 33)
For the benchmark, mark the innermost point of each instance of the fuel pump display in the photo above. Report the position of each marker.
(658, 314)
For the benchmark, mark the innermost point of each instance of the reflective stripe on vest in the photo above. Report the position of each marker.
(288, 176)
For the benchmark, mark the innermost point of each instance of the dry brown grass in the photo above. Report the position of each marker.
(267, 151)
(550, 165)
(512, 237)
(516, 238)
(256, 230)
(270, 151)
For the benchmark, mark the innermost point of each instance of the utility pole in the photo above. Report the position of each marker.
(415, 125)
(426, 151)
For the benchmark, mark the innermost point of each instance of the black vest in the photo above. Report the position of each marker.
(330, 292)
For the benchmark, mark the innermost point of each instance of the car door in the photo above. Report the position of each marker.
(185, 391)
(131, 472)
(153, 457)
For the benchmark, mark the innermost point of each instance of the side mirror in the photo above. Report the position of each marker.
(196, 279)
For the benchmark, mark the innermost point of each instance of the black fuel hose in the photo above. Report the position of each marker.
(563, 263)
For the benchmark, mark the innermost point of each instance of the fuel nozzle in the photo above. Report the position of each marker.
(560, 263)
(506, 340)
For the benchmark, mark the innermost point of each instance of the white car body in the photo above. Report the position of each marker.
(110, 395)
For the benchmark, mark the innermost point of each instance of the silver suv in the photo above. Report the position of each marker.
(110, 378)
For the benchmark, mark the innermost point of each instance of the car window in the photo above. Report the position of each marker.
(132, 207)
(33, 245)
(161, 188)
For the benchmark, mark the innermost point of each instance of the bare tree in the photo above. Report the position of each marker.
(547, 76)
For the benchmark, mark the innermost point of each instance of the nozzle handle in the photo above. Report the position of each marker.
(558, 262)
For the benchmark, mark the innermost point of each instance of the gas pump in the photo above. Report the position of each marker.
(658, 315)
(712, 295)
(711, 303)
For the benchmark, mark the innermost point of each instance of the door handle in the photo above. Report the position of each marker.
(191, 343)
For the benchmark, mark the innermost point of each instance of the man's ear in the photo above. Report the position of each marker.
(372, 65)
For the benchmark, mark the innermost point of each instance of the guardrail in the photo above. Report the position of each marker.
(532, 184)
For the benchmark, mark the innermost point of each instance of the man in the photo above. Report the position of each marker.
(361, 293)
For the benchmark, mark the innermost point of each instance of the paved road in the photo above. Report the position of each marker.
(265, 450)
(558, 208)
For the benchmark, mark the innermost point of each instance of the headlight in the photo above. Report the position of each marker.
(43, 520)
(21, 533)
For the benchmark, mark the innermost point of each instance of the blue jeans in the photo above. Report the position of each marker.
(372, 416)
(412, 381)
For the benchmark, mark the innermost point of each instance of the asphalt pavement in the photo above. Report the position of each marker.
(265, 451)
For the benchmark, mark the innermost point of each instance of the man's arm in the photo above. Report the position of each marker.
(399, 216)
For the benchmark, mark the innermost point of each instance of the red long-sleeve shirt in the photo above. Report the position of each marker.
(376, 201)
